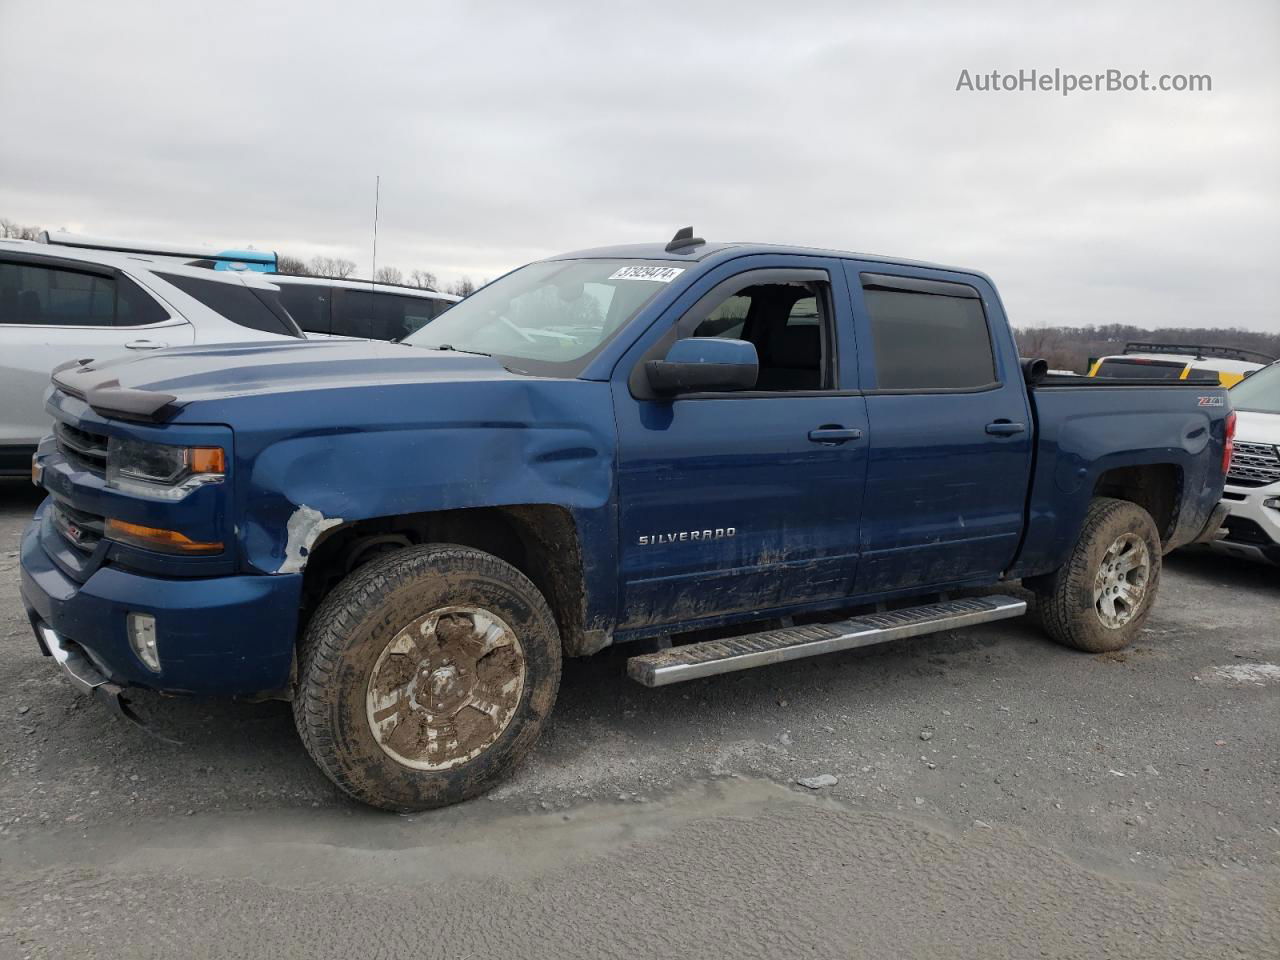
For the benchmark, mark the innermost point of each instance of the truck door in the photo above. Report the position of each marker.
(748, 500)
(951, 432)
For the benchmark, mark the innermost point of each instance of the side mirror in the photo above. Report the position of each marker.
(698, 364)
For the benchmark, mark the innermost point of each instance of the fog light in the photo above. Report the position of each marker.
(142, 637)
(1272, 502)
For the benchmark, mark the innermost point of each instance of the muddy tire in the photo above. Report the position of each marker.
(426, 676)
(1100, 598)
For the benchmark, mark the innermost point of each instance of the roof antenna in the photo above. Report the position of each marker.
(373, 272)
(684, 238)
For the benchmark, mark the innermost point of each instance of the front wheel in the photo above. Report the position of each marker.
(1100, 598)
(426, 676)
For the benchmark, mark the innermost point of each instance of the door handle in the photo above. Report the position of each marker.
(145, 345)
(834, 433)
(1003, 428)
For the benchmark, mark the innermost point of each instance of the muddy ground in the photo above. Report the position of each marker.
(997, 796)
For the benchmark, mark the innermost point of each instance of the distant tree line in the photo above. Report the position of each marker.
(343, 269)
(315, 267)
(16, 231)
(1070, 348)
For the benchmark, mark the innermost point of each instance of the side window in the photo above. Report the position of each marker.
(233, 300)
(789, 327)
(52, 296)
(352, 313)
(726, 320)
(378, 316)
(928, 340)
(395, 316)
(308, 304)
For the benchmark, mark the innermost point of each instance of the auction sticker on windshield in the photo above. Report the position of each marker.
(657, 274)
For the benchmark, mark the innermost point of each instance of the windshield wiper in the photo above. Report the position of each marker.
(453, 349)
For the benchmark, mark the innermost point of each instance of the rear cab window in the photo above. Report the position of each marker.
(43, 295)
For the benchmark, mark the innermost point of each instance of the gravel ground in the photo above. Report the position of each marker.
(994, 795)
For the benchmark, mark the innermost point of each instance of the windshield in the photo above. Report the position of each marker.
(550, 318)
(1259, 392)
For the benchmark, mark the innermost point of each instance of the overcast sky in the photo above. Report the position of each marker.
(507, 132)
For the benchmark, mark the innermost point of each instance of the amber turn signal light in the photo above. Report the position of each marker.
(207, 460)
(155, 538)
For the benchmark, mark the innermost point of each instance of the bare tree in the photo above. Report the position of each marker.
(16, 231)
(464, 287)
(294, 266)
(389, 275)
(332, 267)
(424, 279)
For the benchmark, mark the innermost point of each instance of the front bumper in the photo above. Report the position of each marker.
(217, 636)
(1253, 528)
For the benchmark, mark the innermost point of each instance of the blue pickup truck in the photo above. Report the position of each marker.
(780, 451)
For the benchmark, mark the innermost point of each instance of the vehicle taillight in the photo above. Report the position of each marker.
(1230, 446)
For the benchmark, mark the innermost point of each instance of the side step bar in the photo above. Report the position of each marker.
(776, 646)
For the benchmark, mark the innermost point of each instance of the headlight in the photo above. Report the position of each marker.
(160, 470)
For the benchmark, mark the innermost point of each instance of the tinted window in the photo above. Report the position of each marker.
(1142, 369)
(928, 341)
(400, 316)
(308, 304)
(51, 296)
(238, 303)
(381, 316)
(785, 324)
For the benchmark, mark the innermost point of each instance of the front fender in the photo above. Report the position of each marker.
(543, 442)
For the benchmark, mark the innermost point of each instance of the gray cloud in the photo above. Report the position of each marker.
(506, 132)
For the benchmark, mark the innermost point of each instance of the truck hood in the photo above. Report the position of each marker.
(155, 386)
(1255, 427)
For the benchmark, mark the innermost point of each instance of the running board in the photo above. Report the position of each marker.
(791, 643)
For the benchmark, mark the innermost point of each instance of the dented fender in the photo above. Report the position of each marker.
(337, 457)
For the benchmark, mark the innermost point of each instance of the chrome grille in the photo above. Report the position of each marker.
(1254, 465)
(84, 449)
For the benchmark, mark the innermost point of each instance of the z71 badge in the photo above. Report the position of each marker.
(1212, 401)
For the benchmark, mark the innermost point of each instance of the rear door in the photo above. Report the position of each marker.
(52, 310)
(951, 432)
(734, 502)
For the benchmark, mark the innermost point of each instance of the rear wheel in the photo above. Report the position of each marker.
(1100, 598)
(426, 676)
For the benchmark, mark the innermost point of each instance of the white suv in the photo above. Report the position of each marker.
(1252, 493)
(61, 303)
